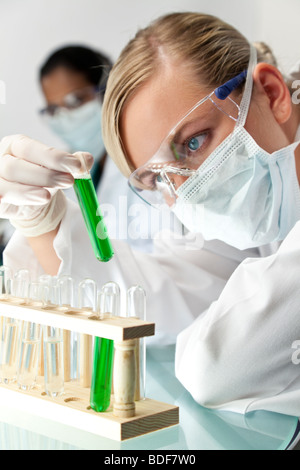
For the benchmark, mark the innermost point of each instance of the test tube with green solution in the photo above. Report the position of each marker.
(93, 218)
(109, 304)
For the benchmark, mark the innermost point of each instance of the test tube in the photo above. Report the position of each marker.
(5, 282)
(48, 284)
(53, 361)
(136, 308)
(109, 304)
(11, 330)
(20, 286)
(89, 205)
(71, 339)
(28, 367)
(87, 300)
(9, 349)
(109, 300)
(29, 356)
(5, 286)
(66, 291)
(39, 296)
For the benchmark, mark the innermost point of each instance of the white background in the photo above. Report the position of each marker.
(31, 29)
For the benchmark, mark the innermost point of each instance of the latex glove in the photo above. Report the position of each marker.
(32, 176)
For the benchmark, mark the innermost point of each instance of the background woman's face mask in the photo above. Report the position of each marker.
(80, 128)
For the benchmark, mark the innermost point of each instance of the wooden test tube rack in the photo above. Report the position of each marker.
(73, 407)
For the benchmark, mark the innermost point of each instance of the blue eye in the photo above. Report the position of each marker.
(195, 143)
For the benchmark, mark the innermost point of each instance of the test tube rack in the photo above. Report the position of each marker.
(73, 407)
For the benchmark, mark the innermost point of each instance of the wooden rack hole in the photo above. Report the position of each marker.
(67, 400)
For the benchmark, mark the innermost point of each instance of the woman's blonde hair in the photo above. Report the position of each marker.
(215, 50)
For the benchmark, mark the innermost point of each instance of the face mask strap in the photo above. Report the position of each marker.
(246, 99)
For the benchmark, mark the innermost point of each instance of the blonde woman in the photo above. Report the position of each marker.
(198, 122)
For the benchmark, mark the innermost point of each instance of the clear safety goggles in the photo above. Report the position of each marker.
(187, 146)
(73, 100)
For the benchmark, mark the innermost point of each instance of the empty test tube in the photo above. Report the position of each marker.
(53, 358)
(49, 287)
(20, 285)
(66, 291)
(136, 308)
(89, 205)
(5, 291)
(109, 304)
(29, 355)
(9, 350)
(87, 300)
(5, 282)
(53, 361)
(28, 367)
(40, 295)
(109, 300)
(11, 330)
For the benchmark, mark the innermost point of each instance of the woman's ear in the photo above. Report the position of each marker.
(269, 81)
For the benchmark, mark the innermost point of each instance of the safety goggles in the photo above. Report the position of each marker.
(73, 100)
(187, 145)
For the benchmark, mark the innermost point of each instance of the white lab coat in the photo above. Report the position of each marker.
(242, 354)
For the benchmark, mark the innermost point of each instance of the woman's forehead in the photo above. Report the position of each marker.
(154, 110)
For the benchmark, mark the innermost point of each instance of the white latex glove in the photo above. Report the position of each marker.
(32, 176)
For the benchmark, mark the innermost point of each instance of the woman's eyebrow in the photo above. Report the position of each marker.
(183, 130)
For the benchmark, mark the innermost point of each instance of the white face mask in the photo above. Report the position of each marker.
(80, 128)
(241, 194)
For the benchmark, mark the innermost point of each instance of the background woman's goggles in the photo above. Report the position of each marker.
(72, 100)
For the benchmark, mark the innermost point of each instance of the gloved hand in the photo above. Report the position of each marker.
(32, 176)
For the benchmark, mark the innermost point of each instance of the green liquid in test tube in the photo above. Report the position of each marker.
(102, 374)
(104, 351)
(93, 218)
